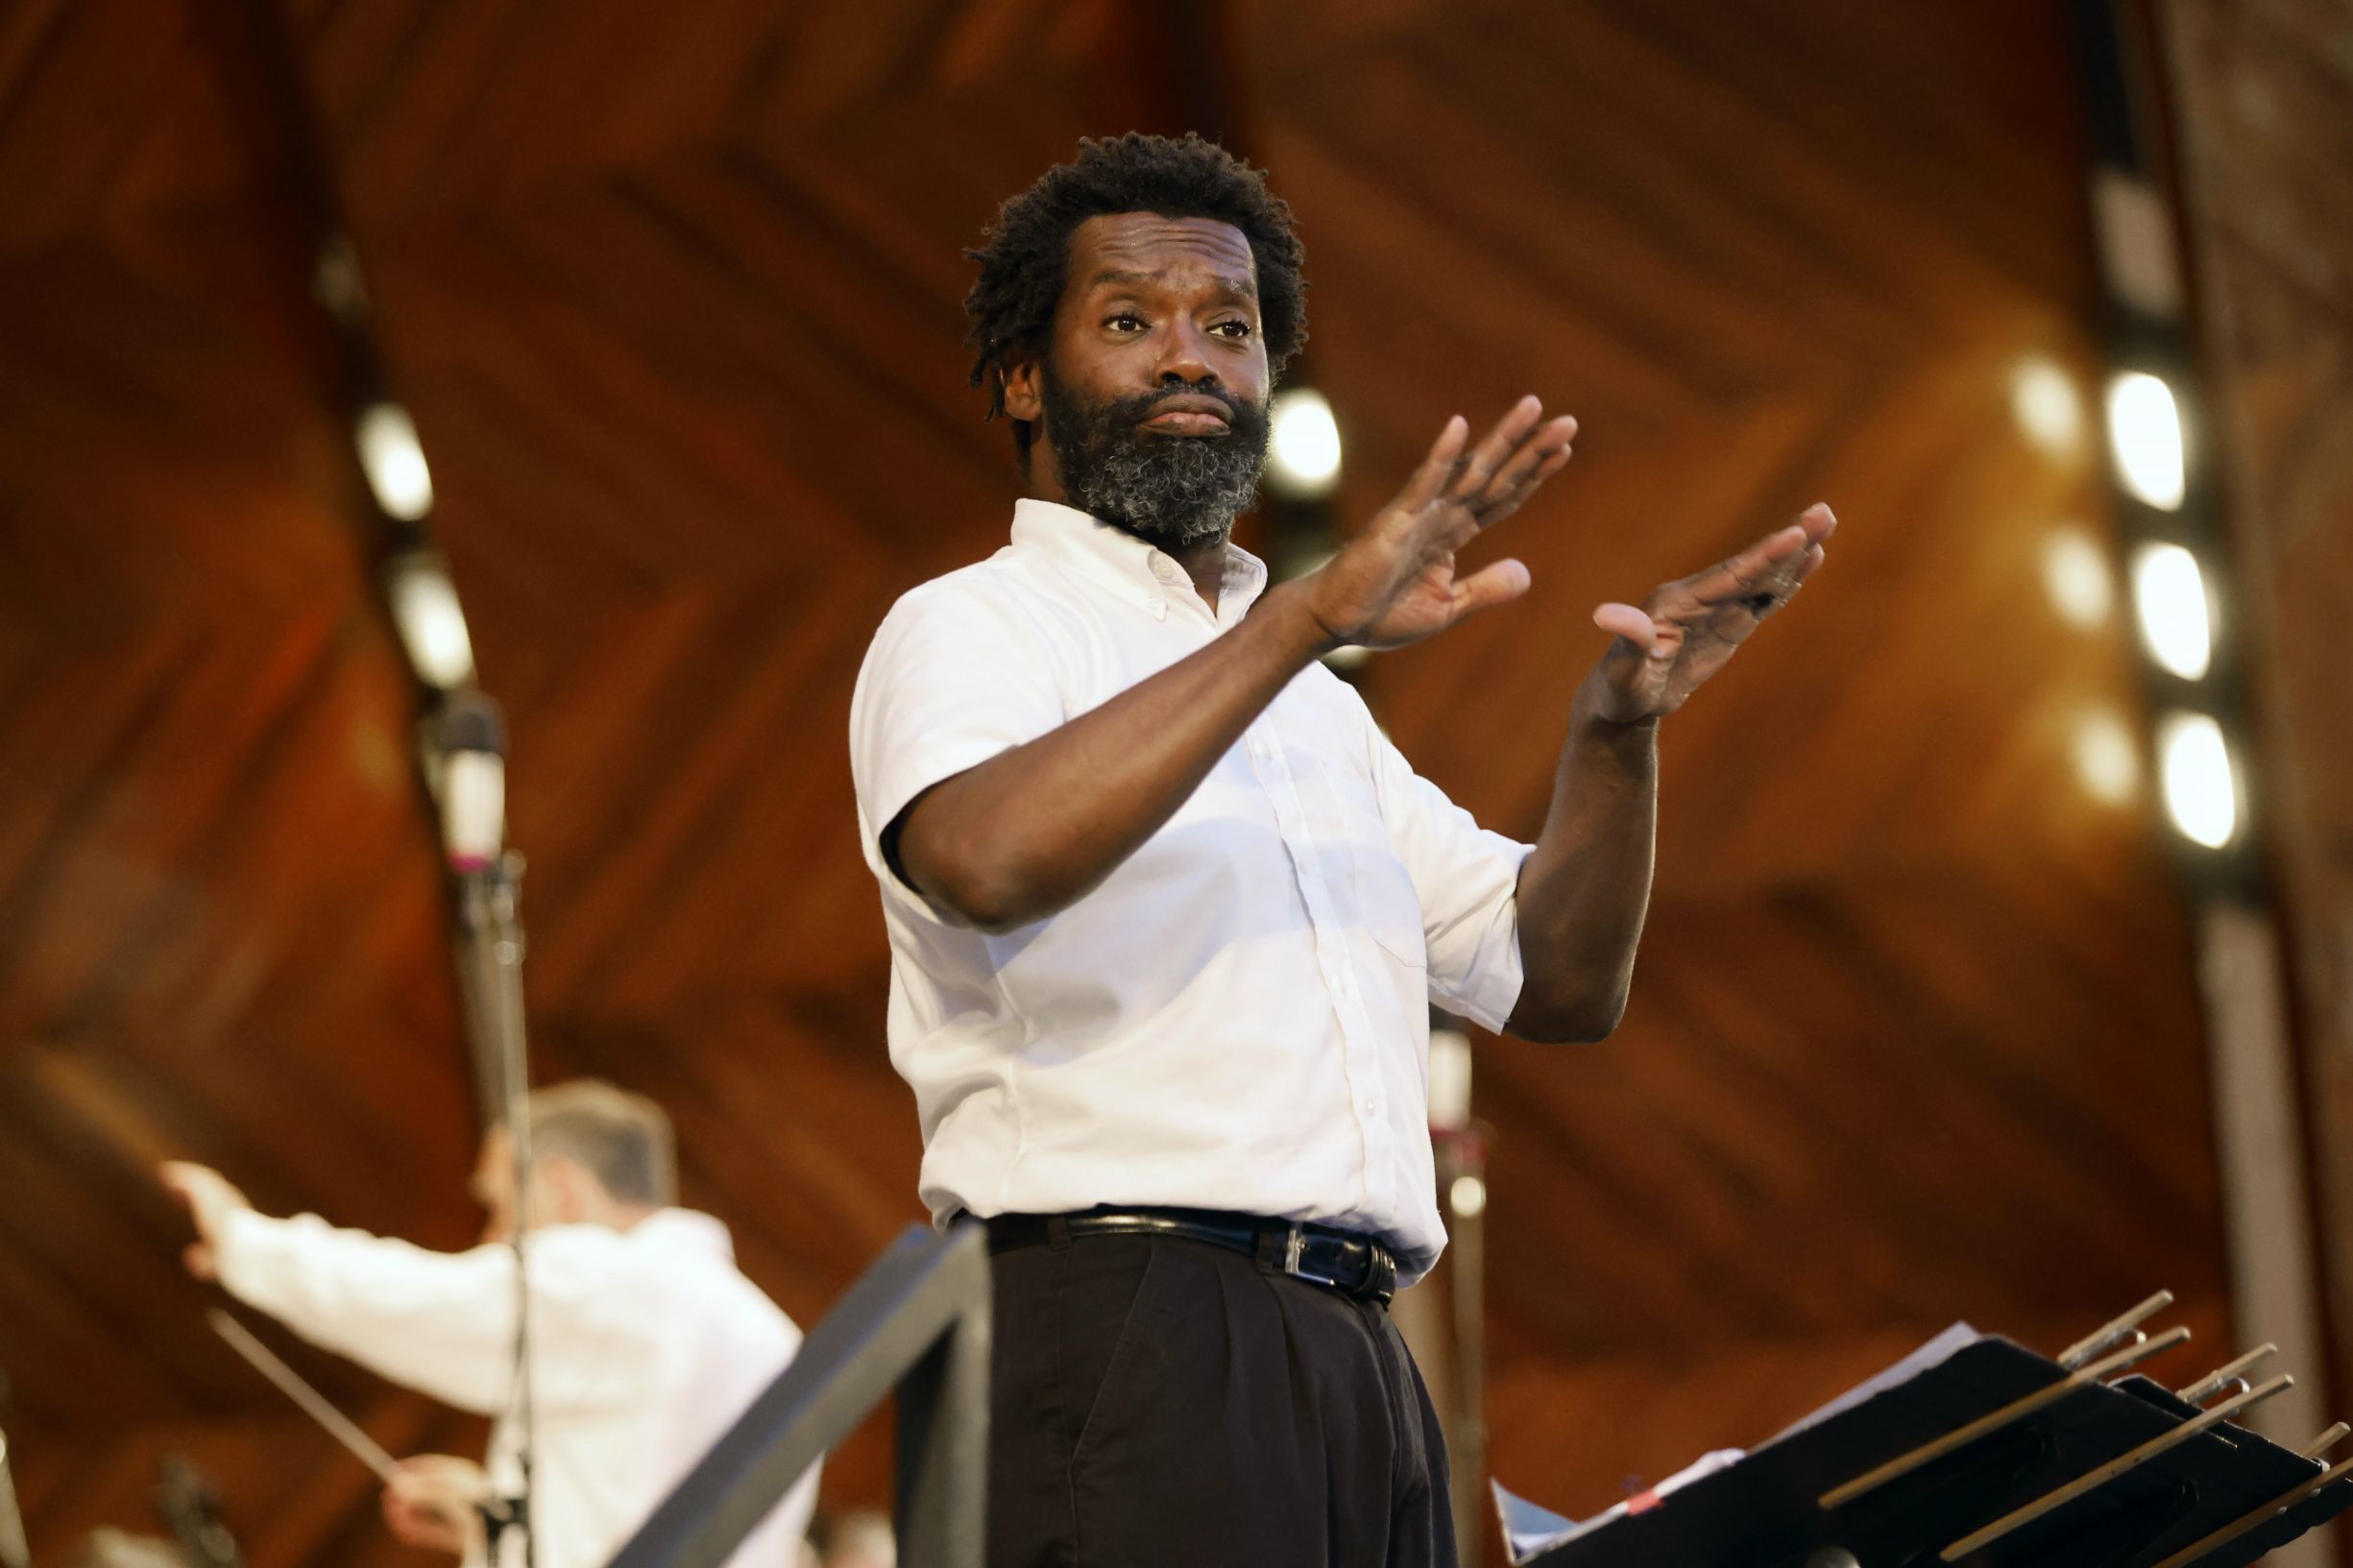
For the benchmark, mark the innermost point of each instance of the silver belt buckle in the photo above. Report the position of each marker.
(1294, 1251)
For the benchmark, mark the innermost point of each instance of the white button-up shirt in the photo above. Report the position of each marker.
(645, 1347)
(1238, 1017)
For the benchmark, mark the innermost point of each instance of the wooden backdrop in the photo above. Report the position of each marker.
(672, 293)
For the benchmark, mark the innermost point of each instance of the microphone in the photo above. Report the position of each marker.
(470, 738)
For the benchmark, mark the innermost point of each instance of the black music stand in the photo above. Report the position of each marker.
(1995, 1457)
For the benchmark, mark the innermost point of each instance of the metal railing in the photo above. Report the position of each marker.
(917, 1322)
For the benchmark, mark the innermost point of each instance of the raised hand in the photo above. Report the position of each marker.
(211, 1198)
(1394, 582)
(1685, 631)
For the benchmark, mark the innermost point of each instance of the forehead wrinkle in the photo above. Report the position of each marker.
(1144, 236)
(1226, 283)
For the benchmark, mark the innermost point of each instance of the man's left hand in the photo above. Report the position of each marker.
(210, 1199)
(1670, 644)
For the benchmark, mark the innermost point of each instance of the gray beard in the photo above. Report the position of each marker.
(1172, 490)
(1177, 490)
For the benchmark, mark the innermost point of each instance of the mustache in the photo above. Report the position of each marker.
(1142, 405)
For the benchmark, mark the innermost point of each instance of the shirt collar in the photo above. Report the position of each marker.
(1142, 574)
(688, 1229)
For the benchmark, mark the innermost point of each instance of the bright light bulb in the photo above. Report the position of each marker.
(432, 627)
(2075, 574)
(1303, 447)
(1469, 1195)
(2168, 594)
(2144, 431)
(2106, 760)
(394, 462)
(2202, 794)
(2047, 407)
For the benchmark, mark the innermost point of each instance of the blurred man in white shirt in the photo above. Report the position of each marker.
(646, 1342)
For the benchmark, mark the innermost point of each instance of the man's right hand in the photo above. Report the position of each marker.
(1394, 582)
(432, 1500)
(211, 1198)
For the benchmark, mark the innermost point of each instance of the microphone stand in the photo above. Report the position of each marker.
(490, 949)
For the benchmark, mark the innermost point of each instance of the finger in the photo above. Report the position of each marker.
(197, 1258)
(1628, 621)
(1777, 591)
(1429, 480)
(1744, 574)
(1488, 587)
(1552, 463)
(1536, 449)
(1486, 460)
(1784, 550)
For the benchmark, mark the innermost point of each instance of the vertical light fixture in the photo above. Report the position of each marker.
(430, 623)
(394, 461)
(2201, 786)
(2168, 598)
(2145, 437)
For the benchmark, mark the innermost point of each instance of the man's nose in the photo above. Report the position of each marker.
(1184, 357)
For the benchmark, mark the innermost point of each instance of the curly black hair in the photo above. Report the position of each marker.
(1025, 262)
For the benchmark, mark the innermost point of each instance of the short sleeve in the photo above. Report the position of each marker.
(1468, 880)
(958, 673)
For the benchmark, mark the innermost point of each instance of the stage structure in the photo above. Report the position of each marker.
(1975, 1451)
(917, 1323)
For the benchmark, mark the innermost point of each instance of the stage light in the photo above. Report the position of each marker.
(2144, 433)
(2047, 407)
(2136, 248)
(2201, 792)
(2077, 576)
(1303, 451)
(432, 627)
(2106, 760)
(1468, 1195)
(394, 462)
(2169, 596)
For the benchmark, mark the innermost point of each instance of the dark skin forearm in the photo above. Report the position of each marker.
(1584, 891)
(1032, 831)
(977, 844)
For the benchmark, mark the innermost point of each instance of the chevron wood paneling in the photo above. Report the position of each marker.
(673, 294)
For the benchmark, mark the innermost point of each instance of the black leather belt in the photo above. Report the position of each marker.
(1343, 1261)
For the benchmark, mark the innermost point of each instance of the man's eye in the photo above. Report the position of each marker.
(1126, 320)
(1233, 329)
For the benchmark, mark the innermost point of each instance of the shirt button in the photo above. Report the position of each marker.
(1164, 569)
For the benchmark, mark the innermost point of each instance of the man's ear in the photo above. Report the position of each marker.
(1025, 397)
(566, 1188)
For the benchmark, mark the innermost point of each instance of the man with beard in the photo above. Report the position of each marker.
(1167, 910)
